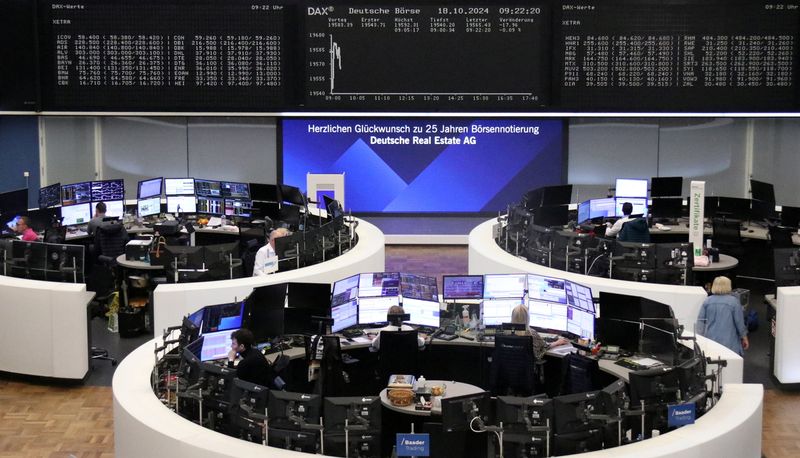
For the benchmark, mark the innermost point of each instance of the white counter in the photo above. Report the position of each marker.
(45, 329)
(787, 315)
(171, 302)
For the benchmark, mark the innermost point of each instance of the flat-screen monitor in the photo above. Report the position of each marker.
(14, 201)
(631, 187)
(760, 190)
(73, 215)
(584, 211)
(197, 317)
(659, 339)
(666, 186)
(639, 205)
(49, 196)
(495, 312)
(659, 385)
(497, 286)
(292, 195)
(462, 287)
(557, 195)
(264, 311)
(580, 323)
(223, 317)
(149, 188)
(216, 345)
(235, 190)
(210, 205)
(760, 210)
(632, 308)
(602, 208)
(733, 207)
(379, 284)
(579, 296)
(420, 287)
(423, 313)
(375, 309)
(264, 192)
(207, 188)
(149, 206)
(179, 186)
(551, 215)
(547, 315)
(345, 290)
(181, 204)
(76, 193)
(114, 208)
(286, 408)
(344, 315)
(517, 413)
(238, 207)
(620, 332)
(548, 289)
(571, 411)
(667, 207)
(459, 412)
(311, 296)
(362, 412)
(790, 216)
(333, 207)
(108, 190)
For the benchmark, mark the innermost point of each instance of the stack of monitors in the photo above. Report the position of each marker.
(111, 193)
(77, 199)
(149, 197)
(76, 203)
(344, 303)
(180, 195)
(50, 196)
(236, 198)
(501, 293)
(462, 287)
(420, 299)
(209, 197)
(376, 293)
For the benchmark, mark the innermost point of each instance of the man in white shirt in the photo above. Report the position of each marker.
(395, 310)
(627, 209)
(266, 258)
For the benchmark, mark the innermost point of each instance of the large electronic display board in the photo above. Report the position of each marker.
(427, 165)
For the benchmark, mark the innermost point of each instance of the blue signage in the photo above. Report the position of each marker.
(413, 445)
(681, 414)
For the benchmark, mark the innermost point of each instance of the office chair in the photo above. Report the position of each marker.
(513, 370)
(332, 378)
(727, 236)
(579, 374)
(635, 230)
(398, 354)
(781, 236)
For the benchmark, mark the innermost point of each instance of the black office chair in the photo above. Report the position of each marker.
(332, 379)
(781, 236)
(398, 354)
(513, 369)
(727, 236)
(580, 374)
(635, 230)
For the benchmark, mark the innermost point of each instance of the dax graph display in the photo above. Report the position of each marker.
(428, 56)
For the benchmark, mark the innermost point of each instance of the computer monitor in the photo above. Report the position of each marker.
(674, 255)
(553, 215)
(760, 210)
(420, 287)
(498, 286)
(631, 187)
(207, 188)
(790, 216)
(179, 186)
(190, 361)
(423, 312)
(557, 195)
(462, 287)
(760, 190)
(659, 339)
(210, 205)
(345, 290)
(333, 207)
(639, 205)
(658, 386)
(216, 345)
(666, 186)
(667, 207)
(238, 207)
(362, 413)
(114, 208)
(73, 215)
(602, 208)
(61, 259)
(293, 411)
(264, 309)
(49, 196)
(692, 376)
(292, 195)
(264, 192)
(344, 315)
(710, 204)
(584, 211)
(459, 412)
(580, 323)
(196, 319)
(374, 309)
(312, 296)
(518, 413)
(632, 308)
(108, 190)
(579, 296)
(618, 332)
(787, 266)
(222, 317)
(547, 315)
(379, 284)
(634, 255)
(495, 312)
(298, 441)
(572, 411)
(181, 204)
(149, 188)
(547, 289)
(235, 190)
(149, 206)
(733, 207)
(76, 193)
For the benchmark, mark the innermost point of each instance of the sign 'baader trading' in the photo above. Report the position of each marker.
(413, 445)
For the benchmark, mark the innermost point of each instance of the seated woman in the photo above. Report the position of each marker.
(721, 317)
(394, 310)
(520, 316)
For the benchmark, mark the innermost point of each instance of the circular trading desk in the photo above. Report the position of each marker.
(452, 389)
(725, 262)
(171, 302)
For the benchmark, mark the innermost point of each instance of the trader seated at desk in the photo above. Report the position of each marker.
(520, 316)
(253, 367)
(266, 258)
(99, 214)
(395, 310)
(635, 228)
(23, 227)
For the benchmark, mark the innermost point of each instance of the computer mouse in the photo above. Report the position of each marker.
(749, 230)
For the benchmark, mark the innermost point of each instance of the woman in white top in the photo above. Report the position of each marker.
(520, 316)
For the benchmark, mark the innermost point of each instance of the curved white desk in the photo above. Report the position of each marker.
(45, 328)
(171, 302)
(485, 257)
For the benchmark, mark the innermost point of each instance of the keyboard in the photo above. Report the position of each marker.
(351, 333)
(627, 364)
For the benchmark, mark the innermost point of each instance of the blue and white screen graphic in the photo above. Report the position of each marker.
(426, 165)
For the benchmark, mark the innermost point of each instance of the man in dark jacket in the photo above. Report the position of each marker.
(253, 367)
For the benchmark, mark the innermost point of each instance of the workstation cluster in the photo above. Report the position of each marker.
(588, 408)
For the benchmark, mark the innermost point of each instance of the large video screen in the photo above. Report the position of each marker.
(427, 165)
